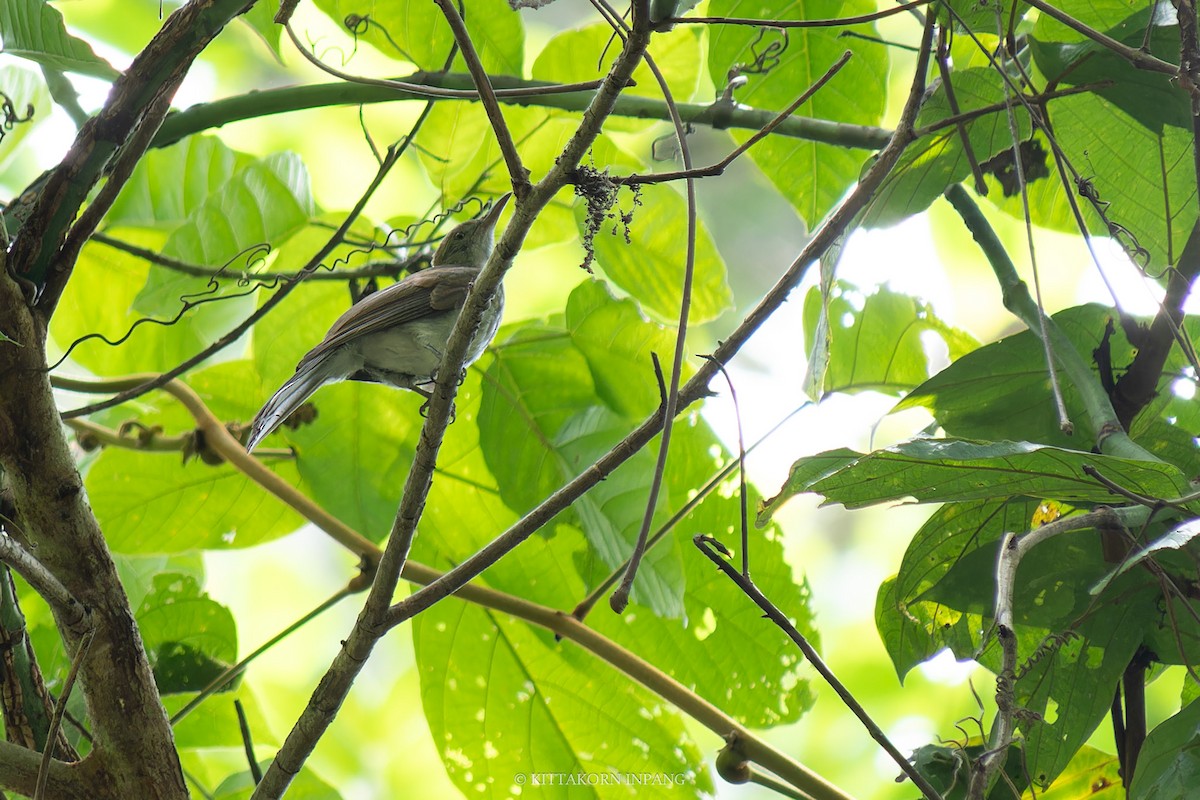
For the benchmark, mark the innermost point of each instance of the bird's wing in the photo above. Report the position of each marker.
(428, 292)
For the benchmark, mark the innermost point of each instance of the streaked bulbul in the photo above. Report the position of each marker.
(397, 335)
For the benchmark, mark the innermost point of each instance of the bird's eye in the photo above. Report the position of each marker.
(459, 234)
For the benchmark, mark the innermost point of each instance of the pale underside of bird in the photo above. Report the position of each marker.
(397, 336)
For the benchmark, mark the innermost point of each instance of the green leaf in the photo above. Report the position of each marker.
(1169, 763)
(99, 298)
(261, 205)
(261, 19)
(937, 160)
(154, 503)
(1145, 179)
(1149, 97)
(650, 266)
(170, 184)
(948, 470)
(879, 342)
(506, 705)
(214, 723)
(1002, 391)
(539, 428)
(190, 638)
(1091, 775)
(913, 624)
(616, 340)
(1101, 15)
(811, 176)
(306, 785)
(1069, 692)
(587, 53)
(416, 32)
(28, 93)
(1176, 539)
(35, 30)
(611, 513)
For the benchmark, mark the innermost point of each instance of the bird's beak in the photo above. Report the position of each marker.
(493, 214)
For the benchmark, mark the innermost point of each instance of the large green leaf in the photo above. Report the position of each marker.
(190, 638)
(586, 54)
(811, 176)
(617, 341)
(938, 160)
(1146, 179)
(154, 503)
(1153, 99)
(913, 624)
(258, 207)
(416, 32)
(650, 265)
(878, 342)
(1169, 763)
(947, 470)
(1069, 690)
(33, 29)
(1002, 390)
(611, 513)
(539, 428)
(170, 184)
(511, 709)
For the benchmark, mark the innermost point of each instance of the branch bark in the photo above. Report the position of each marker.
(134, 749)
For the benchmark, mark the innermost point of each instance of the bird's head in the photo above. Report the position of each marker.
(470, 244)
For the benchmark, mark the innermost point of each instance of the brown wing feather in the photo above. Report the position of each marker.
(436, 290)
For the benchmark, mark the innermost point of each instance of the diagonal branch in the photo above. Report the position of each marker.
(137, 103)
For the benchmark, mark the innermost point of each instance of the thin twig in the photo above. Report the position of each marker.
(1064, 420)
(620, 597)
(247, 741)
(772, 612)
(517, 172)
(49, 587)
(378, 269)
(81, 652)
(432, 92)
(585, 606)
(743, 492)
(761, 133)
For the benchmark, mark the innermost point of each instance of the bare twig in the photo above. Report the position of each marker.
(706, 546)
(1136, 57)
(517, 172)
(1013, 547)
(585, 606)
(620, 597)
(764, 131)
(60, 707)
(1064, 420)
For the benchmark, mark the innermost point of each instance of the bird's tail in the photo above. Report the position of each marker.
(299, 387)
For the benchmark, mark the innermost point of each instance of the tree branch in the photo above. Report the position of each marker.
(136, 101)
(206, 116)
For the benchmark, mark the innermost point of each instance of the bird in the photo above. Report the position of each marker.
(397, 335)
